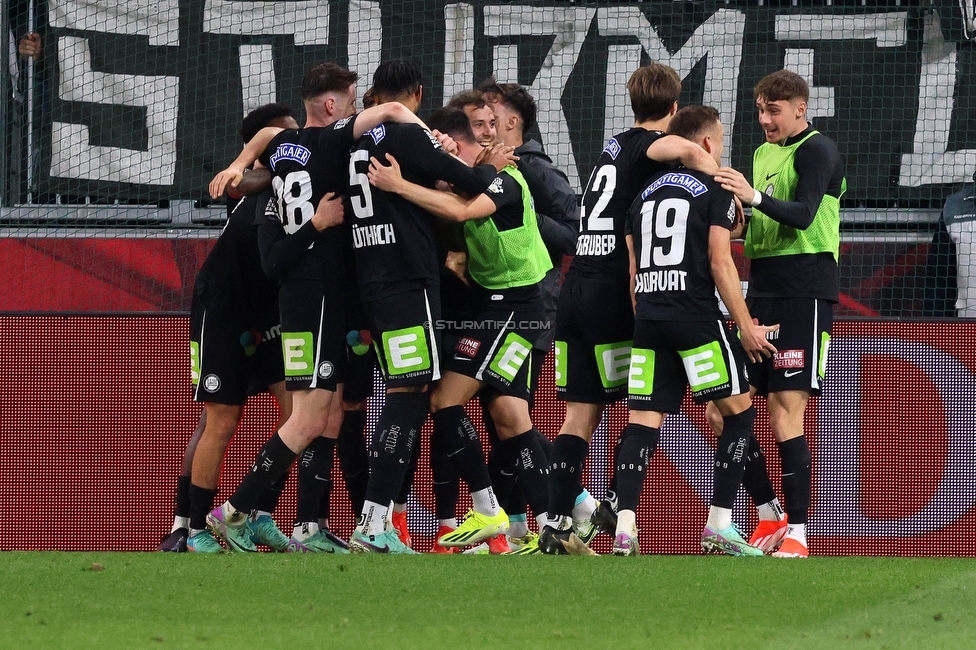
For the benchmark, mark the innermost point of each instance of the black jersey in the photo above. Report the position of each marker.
(230, 282)
(393, 239)
(670, 223)
(306, 165)
(619, 174)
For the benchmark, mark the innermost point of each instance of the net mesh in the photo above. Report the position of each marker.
(120, 112)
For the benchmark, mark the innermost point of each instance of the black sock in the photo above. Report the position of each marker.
(462, 446)
(755, 478)
(501, 470)
(795, 454)
(201, 503)
(269, 501)
(566, 474)
(445, 481)
(730, 457)
(409, 476)
(516, 504)
(532, 468)
(637, 445)
(353, 457)
(314, 478)
(182, 497)
(273, 461)
(545, 442)
(396, 435)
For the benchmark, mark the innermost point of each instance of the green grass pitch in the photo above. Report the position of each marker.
(155, 600)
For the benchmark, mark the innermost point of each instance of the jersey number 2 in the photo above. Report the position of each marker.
(604, 181)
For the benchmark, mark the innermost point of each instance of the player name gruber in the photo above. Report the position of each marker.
(596, 244)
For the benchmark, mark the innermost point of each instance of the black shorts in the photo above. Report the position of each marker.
(312, 334)
(229, 361)
(669, 356)
(497, 345)
(360, 354)
(405, 336)
(594, 334)
(802, 342)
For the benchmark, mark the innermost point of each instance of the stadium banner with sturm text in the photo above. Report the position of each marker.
(145, 96)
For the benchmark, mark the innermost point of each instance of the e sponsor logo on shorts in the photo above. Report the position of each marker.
(705, 367)
(613, 361)
(211, 383)
(406, 351)
(510, 357)
(194, 363)
(298, 352)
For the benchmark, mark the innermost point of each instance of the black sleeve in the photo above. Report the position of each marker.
(506, 193)
(816, 162)
(279, 251)
(416, 149)
(340, 134)
(558, 227)
(722, 209)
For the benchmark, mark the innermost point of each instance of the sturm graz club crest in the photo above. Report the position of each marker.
(325, 369)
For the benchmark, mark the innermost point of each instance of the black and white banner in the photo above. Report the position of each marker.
(146, 95)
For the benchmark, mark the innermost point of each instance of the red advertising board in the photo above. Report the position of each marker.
(95, 412)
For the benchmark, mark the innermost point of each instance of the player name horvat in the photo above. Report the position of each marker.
(379, 234)
(651, 281)
(596, 244)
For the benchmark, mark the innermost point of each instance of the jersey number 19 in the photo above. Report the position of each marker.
(663, 232)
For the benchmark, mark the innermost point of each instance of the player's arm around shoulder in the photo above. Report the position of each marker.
(253, 181)
(373, 116)
(447, 205)
(233, 174)
(675, 149)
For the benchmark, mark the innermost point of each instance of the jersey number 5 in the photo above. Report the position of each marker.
(663, 231)
(293, 193)
(362, 200)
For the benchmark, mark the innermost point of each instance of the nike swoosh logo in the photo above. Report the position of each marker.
(792, 374)
(322, 478)
(768, 176)
(455, 453)
(457, 358)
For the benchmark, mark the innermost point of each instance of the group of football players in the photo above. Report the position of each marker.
(433, 251)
